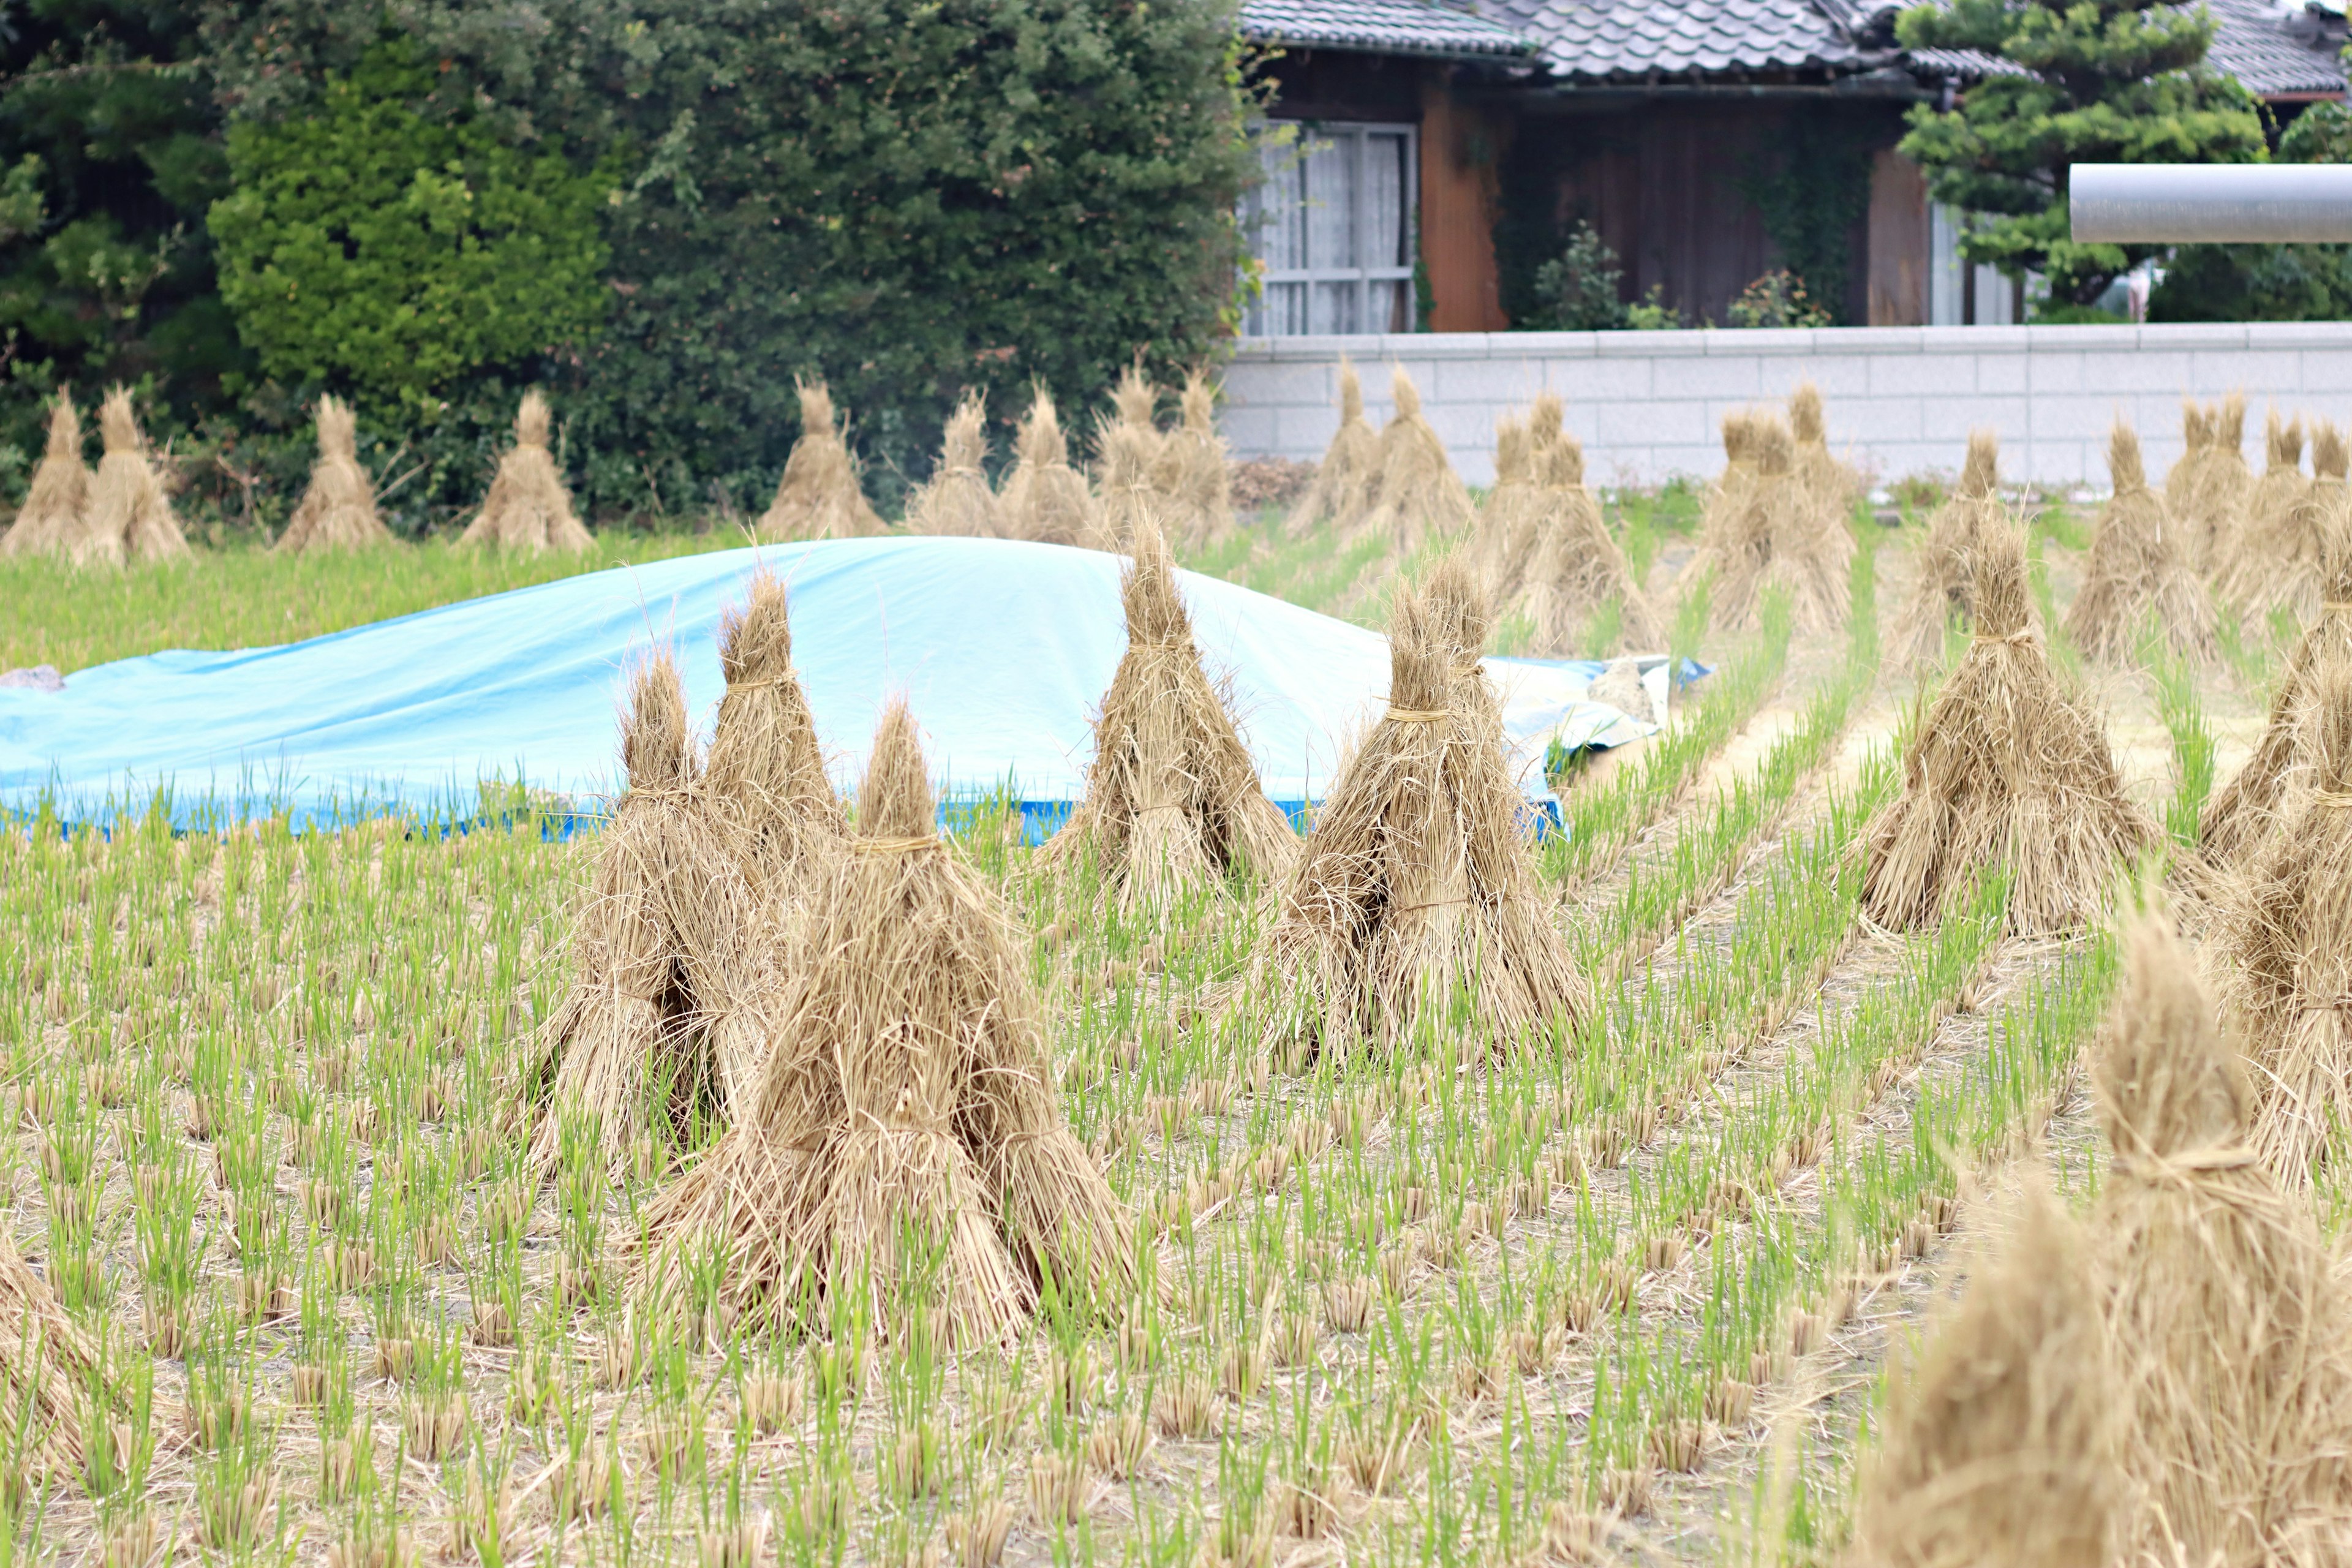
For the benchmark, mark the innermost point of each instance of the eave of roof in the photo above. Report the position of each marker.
(1381, 26)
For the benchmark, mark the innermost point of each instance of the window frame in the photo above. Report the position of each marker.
(1259, 217)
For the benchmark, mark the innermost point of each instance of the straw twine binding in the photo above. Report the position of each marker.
(2139, 577)
(1415, 887)
(2230, 1330)
(338, 511)
(1172, 797)
(1346, 482)
(905, 1104)
(60, 487)
(2005, 769)
(956, 499)
(529, 506)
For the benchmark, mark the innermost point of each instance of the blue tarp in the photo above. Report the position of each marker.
(1001, 649)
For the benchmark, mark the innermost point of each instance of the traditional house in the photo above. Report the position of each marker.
(1442, 155)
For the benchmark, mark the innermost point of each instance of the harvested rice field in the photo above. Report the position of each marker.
(323, 1264)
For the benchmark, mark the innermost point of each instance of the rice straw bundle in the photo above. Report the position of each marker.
(819, 496)
(2138, 578)
(2231, 1332)
(127, 516)
(2285, 934)
(2220, 487)
(2239, 573)
(668, 974)
(2000, 1443)
(1735, 537)
(956, 499)
(1831, 486)
(1194, 482)
(1940, 591)
(2240, 813)
(1578, 566)
(1172, 798)
(1812, 550)
(1415, 889)
(1043, 497)
(1721, 521)
(338, 511)
(1348, 480)
(1761, 531)
(2180, 479)
(60, 487)
(527, 507)
(765, 775)
(1508, 517)
(48, 1370)
(1419, 495)
(2279, 559)
(2004, 769)
(1128, 450)
(905, 1103)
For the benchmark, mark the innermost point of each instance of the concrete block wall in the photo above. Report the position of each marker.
(1900, 400)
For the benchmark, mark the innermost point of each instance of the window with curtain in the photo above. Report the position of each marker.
(1333, 225)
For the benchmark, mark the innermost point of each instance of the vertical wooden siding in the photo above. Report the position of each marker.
(1460, 146)
(1899, 241)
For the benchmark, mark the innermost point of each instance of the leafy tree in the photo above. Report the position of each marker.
(2104, 81)
(2268, 282)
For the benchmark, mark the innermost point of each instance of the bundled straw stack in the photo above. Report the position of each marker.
(1735, 534)
(2219, 487)
(1172, 798)
(906, 1103)
(819, 496)
(1510, 517)
(2181, 480)
(2139, 580)
(1194, 482)
(1346, 482)
(1418, 495)
(2004, 770)
(1575, 567)
(1940, 592)
(956, 499)
(2270, 504)
(46, 524)
(2278, 558)
(2231, 1333)
(668, 951)
(527, 507)
(1128, 451)
(1812, 550)
(1415, 887)
(2240, 813)
(2001, 1444)
(127, 516)
(765, 776)
(1831, 486)
(1761, 531)
(338, 511)
(1043, 497)
(2286, 937)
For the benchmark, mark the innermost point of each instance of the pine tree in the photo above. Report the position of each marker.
(2104, 81)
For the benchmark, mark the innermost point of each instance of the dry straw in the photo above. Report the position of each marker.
(1129, 448)
(1831, 486)
(1761, 531)
(2278, 559)
(527, 507)
(1172, 798)
(2216, 490)
(2138, 581)
(1509, 516)
(48, 1370)
(127, 517)
(2286, 937)
(338, 511)
(1415, 889)
(1735, 539)
(956, 499)
(1191, 475)
(2181, 479)
(1576, 568)
(819, 496)
(2270, 504)
(1418, 495)
(1941, 592)
(2239, 815)
(47, 522)
(766, 777)
(1044, 499)
(667, 952)
(1812, 548)
(2231, 1333)
(2001, 1445)
(1346, 482)
(2004, 770)
(902, 1147)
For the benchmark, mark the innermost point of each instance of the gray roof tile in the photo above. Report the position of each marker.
(2273, 51)
(1379, 26)
(1630, 40)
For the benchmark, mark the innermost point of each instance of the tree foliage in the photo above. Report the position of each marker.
(2268, 282)
(2102, 81)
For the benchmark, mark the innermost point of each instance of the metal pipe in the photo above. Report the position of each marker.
(2226, 204)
